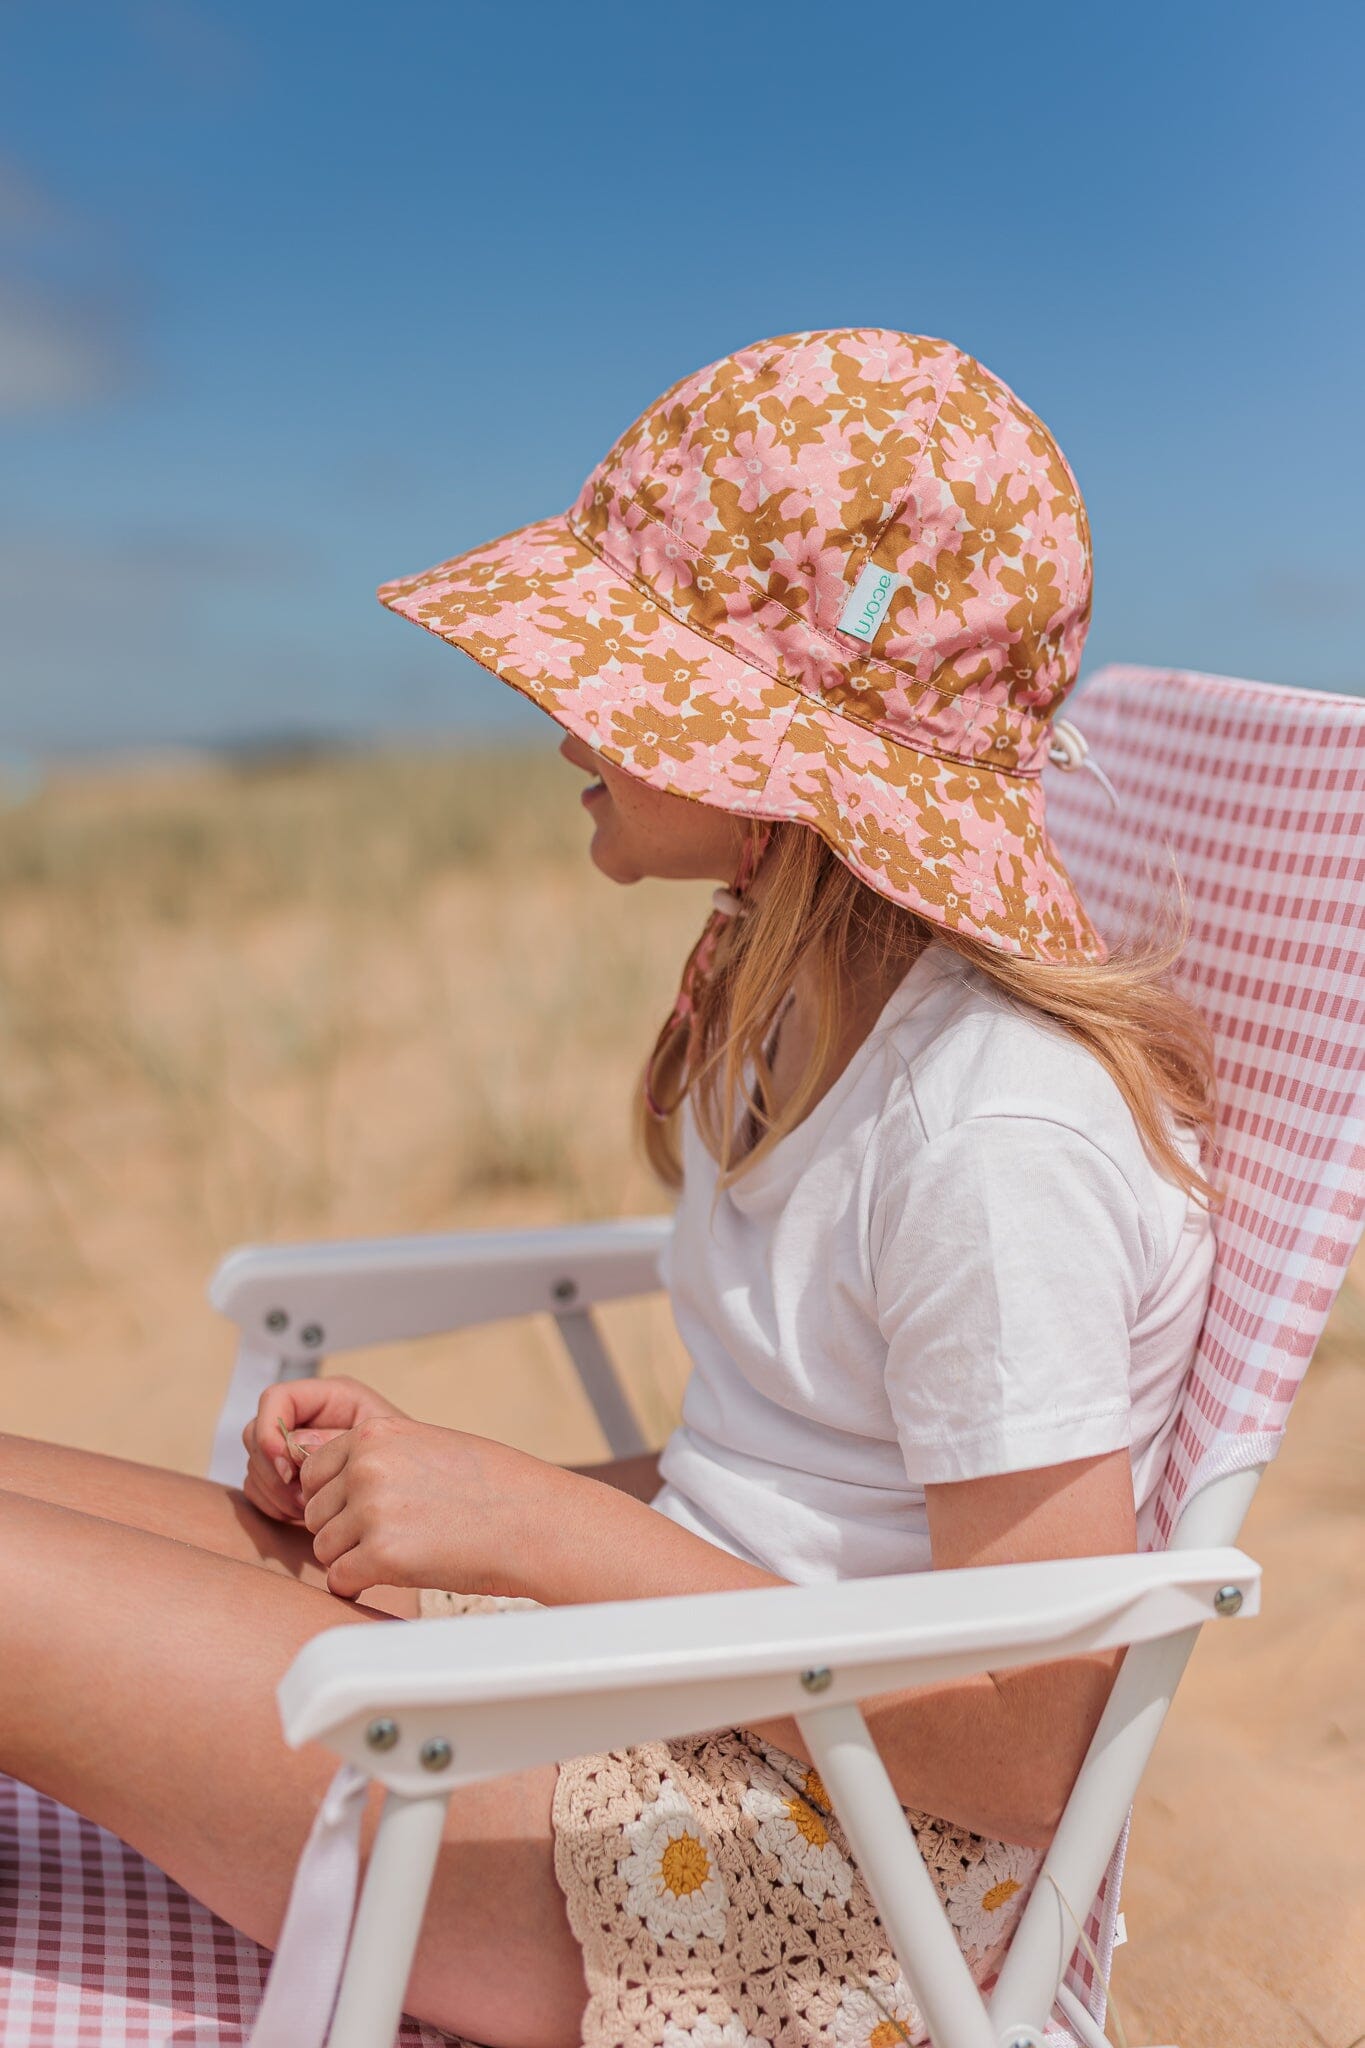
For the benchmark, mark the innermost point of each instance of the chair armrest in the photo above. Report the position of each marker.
(505, 1691)
(341, 1296)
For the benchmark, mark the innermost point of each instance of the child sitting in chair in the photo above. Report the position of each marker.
(941, 1249)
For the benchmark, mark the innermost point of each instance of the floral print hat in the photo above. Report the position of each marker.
(838, 577)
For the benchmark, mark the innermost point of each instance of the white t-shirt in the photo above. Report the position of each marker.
(961, 1262)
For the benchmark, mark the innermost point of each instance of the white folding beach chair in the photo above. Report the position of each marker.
(1259, 794)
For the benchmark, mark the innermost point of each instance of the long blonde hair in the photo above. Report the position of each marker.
(815, 911)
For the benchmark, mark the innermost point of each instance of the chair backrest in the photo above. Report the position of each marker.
(1257, 794)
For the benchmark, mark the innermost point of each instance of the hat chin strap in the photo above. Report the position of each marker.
(1069, 748)
(728, 903)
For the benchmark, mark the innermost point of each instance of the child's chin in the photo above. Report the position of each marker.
(609, 857)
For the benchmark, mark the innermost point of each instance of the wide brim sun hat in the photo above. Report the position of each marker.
(841, 578)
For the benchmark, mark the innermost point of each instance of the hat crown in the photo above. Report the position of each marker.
(752, 496)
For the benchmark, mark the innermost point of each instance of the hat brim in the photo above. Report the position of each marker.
(963, 845)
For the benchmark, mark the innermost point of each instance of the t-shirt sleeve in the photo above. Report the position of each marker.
(1010, 1256)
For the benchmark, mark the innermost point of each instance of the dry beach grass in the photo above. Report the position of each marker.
(360, 995)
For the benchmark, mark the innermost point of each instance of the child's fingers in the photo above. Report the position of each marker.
(286, 1407)
(290, 1449)
(333, 1539)
(308, 1440)
(267, 1494)
(351, 1574)
(274, 1492)
(324, 1506)
(324, 1460)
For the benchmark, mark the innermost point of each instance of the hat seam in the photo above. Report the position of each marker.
(913, 477)
(878, 730)
(1027, 778)
(882, 669)
(880, 666)
(974, 717)
(872, 664)
(812, 703)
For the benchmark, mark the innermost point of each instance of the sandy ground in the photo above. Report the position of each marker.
(307, 1007)
(1245, 1893)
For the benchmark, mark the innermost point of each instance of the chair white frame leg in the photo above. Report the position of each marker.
(885, 1850)
(1079, 2020)
(388, 1921)
(1107, 1783)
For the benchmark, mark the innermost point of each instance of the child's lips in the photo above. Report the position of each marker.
(593, 791)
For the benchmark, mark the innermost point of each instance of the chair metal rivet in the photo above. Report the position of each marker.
(276, 1319)
(312, 1335)
(436, 1755)
(1227, 1599)
(818, 1681)
(564, 1290)
(382, 1734)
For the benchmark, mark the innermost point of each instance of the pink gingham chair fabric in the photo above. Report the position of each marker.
(1259, 793)
(1258, 796)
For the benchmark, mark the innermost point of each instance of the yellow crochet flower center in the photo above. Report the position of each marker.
(1000, 1894)
(815, 1788)
(886, 2034)
(684, 1866)
(807, 1822)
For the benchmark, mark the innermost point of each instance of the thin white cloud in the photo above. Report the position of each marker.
(64, 301)
(56, 352)
(25, 209)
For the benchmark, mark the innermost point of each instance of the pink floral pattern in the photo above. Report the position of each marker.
(683, 616)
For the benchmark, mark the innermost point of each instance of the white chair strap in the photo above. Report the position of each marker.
(301, 1992)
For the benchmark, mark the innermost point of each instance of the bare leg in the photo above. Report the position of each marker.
(177, 1748)
(198, 1511)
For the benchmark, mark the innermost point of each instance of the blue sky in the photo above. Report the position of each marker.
(297, 297)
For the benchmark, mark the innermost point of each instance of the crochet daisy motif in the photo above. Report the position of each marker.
(674, 1885)
(985, 1900)
(878, 2014)
(793, 1829)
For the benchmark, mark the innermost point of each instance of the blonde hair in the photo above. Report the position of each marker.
(815, 911)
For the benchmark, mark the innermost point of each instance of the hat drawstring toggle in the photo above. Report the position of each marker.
(1069, 748)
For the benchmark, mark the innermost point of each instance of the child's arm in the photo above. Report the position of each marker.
(400, 1503)
(637, 1476)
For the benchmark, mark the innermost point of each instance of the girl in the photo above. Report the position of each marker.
(940, 1256)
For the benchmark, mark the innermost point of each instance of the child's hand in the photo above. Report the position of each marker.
(400, 1503)
(293, 1417)
(299, 1442)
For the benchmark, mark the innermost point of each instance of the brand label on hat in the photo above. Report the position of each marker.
(868, 602)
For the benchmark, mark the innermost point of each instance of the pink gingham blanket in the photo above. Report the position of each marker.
(100, 1949)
